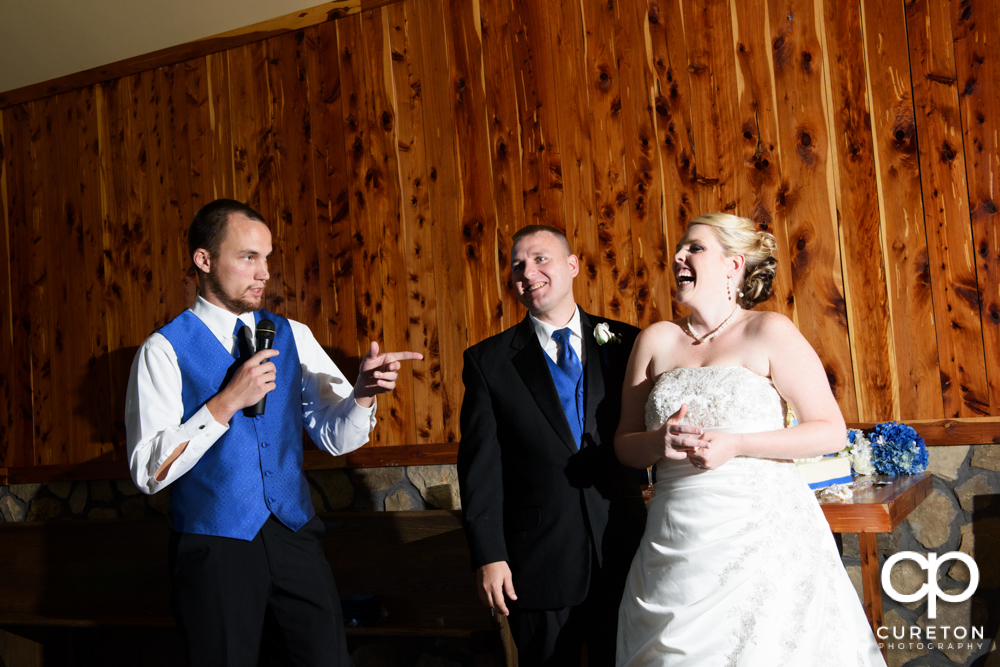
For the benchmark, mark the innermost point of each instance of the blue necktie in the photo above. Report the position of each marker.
(567, 361)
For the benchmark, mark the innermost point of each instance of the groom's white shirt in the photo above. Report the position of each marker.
(544, 332)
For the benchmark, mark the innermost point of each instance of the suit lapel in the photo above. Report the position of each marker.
(529, 360)
(593, 374)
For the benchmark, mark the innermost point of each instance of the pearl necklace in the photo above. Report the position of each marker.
(714, 332)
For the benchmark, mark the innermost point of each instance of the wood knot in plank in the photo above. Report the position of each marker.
(661, 105)
(947, 153)
(804, 147)
(942, 79)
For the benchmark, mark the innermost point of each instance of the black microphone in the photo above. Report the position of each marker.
(265, 341)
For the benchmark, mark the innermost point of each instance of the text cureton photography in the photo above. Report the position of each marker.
(942, 637)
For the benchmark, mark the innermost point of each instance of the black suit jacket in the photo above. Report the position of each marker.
(529, 496)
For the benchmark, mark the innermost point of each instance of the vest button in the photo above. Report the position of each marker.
(270, 501)
(267, 473)
(263, 445)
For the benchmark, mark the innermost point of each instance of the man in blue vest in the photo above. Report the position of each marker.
(549, 511)
(245, 541)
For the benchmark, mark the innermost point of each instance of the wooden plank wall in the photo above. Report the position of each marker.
(396, 150)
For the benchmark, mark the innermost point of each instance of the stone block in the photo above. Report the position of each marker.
(11, 509)
(850, 545)
(102, 513)
(134, 508)
(335, 487)
(78, 499)
(44, 509)
(888, 543)
(931, 521)
(126, 487)
(944, 461)
(899, 656)
(60, 489)
(366, 503)
(24, 491)
(966, 614)
(907, 577)
(100, 491)
(854, 573)
(979, 485)
(398, 502)
(960, 571)
(986, 457)
(438, 485)
(370, 480)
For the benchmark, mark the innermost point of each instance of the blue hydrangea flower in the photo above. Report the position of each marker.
(897, 449)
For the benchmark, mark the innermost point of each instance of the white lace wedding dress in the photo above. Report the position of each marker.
(737, 565)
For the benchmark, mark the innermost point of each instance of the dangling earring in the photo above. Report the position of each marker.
(729, 294)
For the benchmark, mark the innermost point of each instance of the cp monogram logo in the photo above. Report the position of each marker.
(930, 589)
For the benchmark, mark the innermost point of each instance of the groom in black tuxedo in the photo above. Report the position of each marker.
(552, 518)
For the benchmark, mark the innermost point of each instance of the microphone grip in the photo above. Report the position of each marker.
(265, 341)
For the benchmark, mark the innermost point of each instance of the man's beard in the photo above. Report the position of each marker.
(233, 304)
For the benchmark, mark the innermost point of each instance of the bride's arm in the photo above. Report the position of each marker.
(634, 445)
(799, 377)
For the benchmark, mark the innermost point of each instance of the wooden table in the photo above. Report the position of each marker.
(872, 510)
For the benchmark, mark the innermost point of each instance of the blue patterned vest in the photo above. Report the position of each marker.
(255, 468)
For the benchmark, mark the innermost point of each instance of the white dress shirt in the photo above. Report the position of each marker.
(544, 332)
(154, 408)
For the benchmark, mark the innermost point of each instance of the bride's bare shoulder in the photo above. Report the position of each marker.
(767, 322)
(772, 330)
(662, 329)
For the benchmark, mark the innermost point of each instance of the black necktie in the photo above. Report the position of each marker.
(242, 351)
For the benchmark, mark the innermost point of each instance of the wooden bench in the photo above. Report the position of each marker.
(113, 574)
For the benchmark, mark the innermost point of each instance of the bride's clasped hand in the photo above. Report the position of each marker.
(705, 450)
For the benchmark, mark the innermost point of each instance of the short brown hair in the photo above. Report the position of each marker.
(531, 230)
(209, 225)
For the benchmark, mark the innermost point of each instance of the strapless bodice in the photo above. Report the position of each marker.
(731, 398)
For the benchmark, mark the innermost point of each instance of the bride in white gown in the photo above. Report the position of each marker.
(737, 566)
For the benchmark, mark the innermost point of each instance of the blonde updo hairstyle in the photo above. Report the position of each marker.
(739, 236)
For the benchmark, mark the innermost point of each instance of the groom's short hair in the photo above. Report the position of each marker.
(531, 230)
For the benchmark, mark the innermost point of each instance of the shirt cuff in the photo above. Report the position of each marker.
(200, 432)
(359, 416)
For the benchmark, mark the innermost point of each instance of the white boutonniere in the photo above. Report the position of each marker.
(602, 332)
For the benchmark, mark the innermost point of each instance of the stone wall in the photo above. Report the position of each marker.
(390, 489)
(962, 513)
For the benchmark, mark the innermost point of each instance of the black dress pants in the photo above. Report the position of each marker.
(223, 588)
(556, 637)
